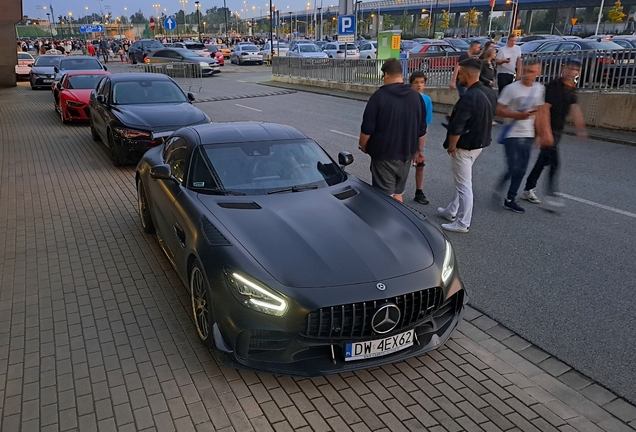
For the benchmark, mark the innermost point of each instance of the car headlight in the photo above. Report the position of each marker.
(132, 133)
(449, 264)
(74, 104)
(256, 296)
(204, 64)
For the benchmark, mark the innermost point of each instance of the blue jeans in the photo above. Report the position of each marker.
(518, 155)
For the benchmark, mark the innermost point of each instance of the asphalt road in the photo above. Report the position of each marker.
(565, 282)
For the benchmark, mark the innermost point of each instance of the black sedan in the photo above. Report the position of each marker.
(43, 72)
(294, 266)
(207, 66)
(133, 112)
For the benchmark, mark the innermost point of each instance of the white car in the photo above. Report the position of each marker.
(198, 48)
(22, 69)
(246, 54)
(368, 50)
(280, 48)
(337, 50)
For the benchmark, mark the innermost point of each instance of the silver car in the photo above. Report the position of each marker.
(306, 51)
(337, 50)
(246, 54)
(280, 48)
(368, 50)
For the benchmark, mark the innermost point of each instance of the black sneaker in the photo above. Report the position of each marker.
(512, 205)
(420, 198)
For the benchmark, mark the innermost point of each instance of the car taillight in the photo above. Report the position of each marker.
(338, 52)
(146, 60)
(244, 53)
(605, 60)
(260, 53)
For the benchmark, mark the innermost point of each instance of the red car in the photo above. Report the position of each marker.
(216, 53)
(433, 56)
(72, 92)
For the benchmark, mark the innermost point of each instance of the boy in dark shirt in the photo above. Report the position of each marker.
(560, 97)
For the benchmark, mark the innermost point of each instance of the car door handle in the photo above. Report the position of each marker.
(180, 235)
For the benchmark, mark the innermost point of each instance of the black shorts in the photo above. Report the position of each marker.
(390, 176)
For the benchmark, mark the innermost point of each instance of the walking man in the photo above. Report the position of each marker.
(473, 51)
(508, 61)
(469, 131)
(418, 82)
(392, 131)
(523, 104)
(560, 100)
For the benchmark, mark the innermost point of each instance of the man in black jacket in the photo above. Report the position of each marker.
(469, 131)
(392, 131)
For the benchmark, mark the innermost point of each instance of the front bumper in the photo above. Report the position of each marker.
(77, 113)
(131, 150)
(42, 81)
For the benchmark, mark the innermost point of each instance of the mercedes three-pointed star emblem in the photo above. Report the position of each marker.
(386, 318)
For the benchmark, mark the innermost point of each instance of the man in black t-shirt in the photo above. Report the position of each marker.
(473, 51)
(560, 98)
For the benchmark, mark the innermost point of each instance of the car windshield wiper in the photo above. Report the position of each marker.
(215, 191)
(293, 189)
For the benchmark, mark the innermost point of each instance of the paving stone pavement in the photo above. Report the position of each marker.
(95, 329)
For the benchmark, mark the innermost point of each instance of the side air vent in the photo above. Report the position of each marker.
(240, 205)
(347, 193)
(212, 234)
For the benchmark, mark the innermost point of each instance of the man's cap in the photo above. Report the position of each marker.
(572, 62)
(471, 63)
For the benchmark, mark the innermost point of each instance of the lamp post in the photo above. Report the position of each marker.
(86, 13)
(183, 6)
(355, 13)
(40, 8)
(319, 23)
(198, 6)
(271, 29)
(225, 28)
(70, 18)
(48, 16)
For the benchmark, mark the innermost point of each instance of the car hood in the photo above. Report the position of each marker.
(82, 95)
(43, 70)
(160, 116)
(313, 239)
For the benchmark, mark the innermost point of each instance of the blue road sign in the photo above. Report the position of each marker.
(346, 25)
(89, 28)
(169, 23)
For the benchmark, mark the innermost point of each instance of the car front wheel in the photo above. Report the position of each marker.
(144, 211)
(201, 305)
(94, 133)
(113, 150)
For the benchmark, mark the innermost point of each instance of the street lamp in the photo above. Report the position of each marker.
(185, 16)
(38, 7)
(86, 9)
(156, 7)
(198, 6)
(48, 16)
(70, 19)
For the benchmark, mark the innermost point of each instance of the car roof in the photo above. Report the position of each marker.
(78, 57)
(136, 76)
(231, 132)
(87, 72)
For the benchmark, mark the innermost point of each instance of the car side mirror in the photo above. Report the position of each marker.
(59, 85)
(30, 65)
(190, 97)
(344, 159)
(105, 68)
(55, 69)
(100, 98)
(161, 172)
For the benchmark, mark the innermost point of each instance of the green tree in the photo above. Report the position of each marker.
(425, 24)
(616, 14)
(138, 18)
(471, 18)
(387, 22)
(445, 22)
(404, 21)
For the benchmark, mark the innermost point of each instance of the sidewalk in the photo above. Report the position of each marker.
(96, 331)
(615, 136)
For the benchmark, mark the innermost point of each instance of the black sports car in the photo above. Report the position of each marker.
(133, 112)
(43, 72)
(294, 266)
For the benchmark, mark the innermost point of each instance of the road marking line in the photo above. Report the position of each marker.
(249, 108)
(601, 206)
(243, 81)
(345, 134)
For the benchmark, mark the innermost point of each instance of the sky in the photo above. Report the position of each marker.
(77, 7)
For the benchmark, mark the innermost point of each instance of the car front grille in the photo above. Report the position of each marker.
(354, 320)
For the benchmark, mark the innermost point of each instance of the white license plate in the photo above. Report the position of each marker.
(47, 81)
(379, 347)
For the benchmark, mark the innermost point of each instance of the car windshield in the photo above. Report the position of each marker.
(532, 45)
(147, 92)
(603, 45)
(458, 43)
(222, 46)
(24, 56)
(278, 45)
(249, 48)
(195, 46)
(308, 48)
(80, 64)
(261, 167)
(45, 60)
(350, 46)
(188, 53)
(83, 81)
(211, 48)
(408, 44)
(152, 44)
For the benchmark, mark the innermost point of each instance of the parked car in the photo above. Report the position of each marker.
(307, 51)
(368, 50)
(224, 50)
(197, 47)
(407, 45)
(628, 42)
(246, 54)
(458, 44)
(134, 112)
(280, 48)
(42, 72)
(25, 62)
(337, 50)
(141, 48)
(295, 42)
(434, 56)
(209, 66)
(532, 38)
(288, 269)
(533, 46)
(216, 53)
(72, 63)
(72, 93)
(321, 44)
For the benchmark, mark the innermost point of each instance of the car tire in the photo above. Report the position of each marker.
(132, 59)
(94, 133)
(62, 116)
(144, 210)
(201, 304)
(113, 151)
(368, 57)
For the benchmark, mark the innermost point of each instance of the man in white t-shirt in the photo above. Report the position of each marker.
(522, 104)
(508, 62)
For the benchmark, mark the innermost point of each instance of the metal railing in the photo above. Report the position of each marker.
(608, 71)
(187, 75)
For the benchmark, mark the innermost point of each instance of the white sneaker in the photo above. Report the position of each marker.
(449, 217)
(530, 196)
(455, 227)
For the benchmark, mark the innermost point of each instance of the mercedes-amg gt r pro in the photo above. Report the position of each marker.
(293, 265)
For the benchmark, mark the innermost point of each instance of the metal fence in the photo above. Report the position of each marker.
(187, 75)
(613, 71)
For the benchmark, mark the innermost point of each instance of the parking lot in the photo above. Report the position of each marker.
(96, 330)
